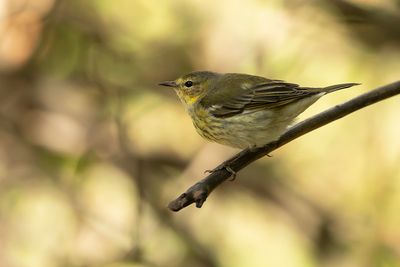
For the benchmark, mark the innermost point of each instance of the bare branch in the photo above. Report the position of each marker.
(199, 192)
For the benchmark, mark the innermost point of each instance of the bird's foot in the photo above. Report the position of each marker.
(226, 167)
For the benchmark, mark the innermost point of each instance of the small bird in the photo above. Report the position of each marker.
(241, 110)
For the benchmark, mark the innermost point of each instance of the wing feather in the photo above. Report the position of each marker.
(267, 95)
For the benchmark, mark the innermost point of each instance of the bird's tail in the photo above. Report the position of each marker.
(336, 87)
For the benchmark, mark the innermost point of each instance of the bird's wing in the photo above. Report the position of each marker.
(266, 95)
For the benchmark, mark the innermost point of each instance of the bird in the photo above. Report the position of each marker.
(243, 110)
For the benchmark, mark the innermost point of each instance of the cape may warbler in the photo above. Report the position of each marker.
(241, 110)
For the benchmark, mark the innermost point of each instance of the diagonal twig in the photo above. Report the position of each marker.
(199, 192)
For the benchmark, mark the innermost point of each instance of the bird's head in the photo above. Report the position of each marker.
(193, 87)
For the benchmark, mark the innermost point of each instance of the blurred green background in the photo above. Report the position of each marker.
(92, 150)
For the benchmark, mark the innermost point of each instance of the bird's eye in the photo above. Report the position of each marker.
(188, 83)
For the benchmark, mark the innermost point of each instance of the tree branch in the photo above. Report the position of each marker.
(199, 192)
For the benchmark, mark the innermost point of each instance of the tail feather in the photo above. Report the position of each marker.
(333, 88)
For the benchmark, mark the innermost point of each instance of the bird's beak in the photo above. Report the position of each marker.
(168, 83)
